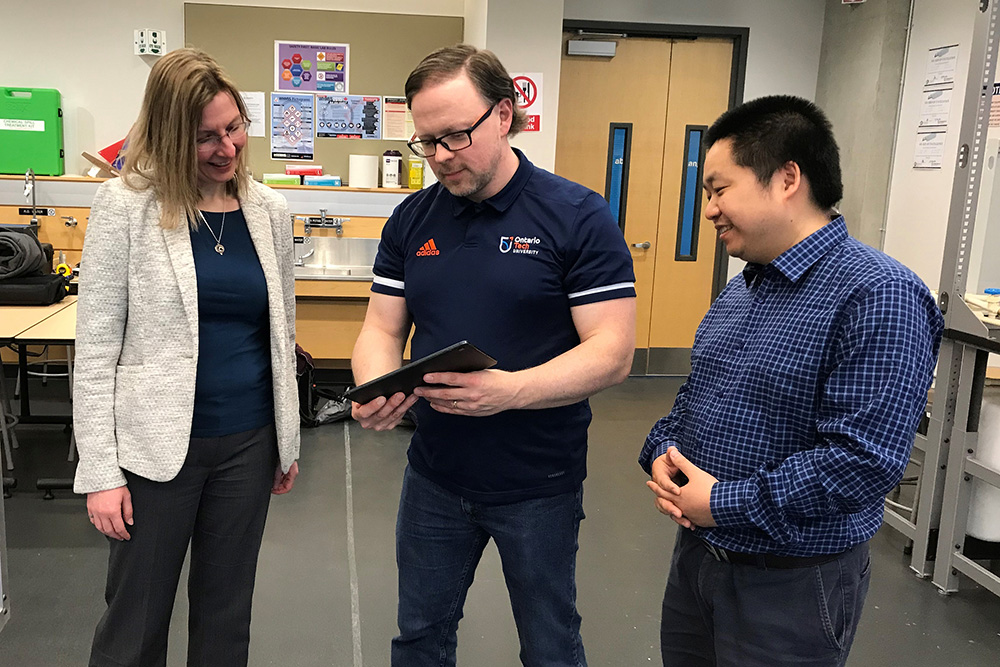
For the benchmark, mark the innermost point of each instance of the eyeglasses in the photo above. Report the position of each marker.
(212, 142)
(453, 141)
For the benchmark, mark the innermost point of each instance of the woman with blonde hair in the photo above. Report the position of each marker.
(185, 406)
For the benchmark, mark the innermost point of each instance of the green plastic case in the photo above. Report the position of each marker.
(31, 132)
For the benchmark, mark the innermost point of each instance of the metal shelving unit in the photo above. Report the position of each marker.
(4, 601)
(936, 521)
(951, 449)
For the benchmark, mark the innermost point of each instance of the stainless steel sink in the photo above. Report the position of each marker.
(319, 272)
(334, 258)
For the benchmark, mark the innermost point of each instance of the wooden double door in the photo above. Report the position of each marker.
(640, 117)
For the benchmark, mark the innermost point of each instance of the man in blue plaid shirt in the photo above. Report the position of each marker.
(809, 377)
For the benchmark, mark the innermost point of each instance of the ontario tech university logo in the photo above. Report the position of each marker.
(519, 245)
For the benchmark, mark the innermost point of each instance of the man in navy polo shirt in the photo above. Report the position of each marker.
(533, 270)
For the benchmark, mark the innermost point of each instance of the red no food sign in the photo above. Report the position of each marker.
(529, 98)
(527, 91)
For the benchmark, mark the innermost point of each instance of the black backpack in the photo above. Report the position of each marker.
(26, 277)
(317, 405)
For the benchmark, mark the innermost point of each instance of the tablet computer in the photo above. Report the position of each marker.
(462, 357)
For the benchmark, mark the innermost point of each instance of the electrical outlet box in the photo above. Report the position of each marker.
(150, 42)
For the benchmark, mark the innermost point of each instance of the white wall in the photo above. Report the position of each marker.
(421, 7)
(531, 45)
(475, 22)
(100, 79)
(862, 59)
(785, 35)
(102, 84)
(919, 199)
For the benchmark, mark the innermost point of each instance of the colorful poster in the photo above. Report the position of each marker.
(311, 68)
(348, 116)
(291, 126)
(397, 123)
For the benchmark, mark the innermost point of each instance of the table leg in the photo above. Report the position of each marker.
(22, 369)
(7, 423)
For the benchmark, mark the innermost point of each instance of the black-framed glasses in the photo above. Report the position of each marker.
(453, 141)
(212, 142)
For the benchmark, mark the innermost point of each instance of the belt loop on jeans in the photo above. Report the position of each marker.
(719, 554)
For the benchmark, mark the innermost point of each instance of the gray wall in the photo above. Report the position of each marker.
(785, 35)
(861, 65)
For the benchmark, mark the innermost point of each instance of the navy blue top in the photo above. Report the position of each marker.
(808, 378)
(233, 391)
(503, 274)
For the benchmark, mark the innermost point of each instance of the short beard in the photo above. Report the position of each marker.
(480, 180)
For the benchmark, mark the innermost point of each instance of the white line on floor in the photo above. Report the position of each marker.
(351, 557)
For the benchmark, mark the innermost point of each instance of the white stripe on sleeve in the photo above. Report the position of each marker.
(598, 290)
(388, 282)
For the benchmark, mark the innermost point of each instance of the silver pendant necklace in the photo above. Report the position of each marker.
(219, 248)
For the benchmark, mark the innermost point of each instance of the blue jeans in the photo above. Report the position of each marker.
(440, 538)
(717, 613)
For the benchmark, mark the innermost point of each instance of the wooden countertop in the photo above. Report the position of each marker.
(59, 328)
(332, 289)
(72, 178)
(14, 320)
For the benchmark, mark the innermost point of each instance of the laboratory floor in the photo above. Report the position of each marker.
(326, 584)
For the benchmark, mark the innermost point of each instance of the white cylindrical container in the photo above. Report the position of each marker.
(984, 504)
(363, 171)
(429, 177)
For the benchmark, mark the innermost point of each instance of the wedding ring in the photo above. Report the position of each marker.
(454, 404)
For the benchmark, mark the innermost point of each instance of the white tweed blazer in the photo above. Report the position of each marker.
(137, 335)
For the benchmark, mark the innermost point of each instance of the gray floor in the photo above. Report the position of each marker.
(333, 535)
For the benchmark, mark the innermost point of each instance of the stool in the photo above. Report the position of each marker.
(45, 374)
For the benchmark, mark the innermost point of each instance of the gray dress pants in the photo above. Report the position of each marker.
(217, 504)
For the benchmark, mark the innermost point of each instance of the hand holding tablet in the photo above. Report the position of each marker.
(462, 357)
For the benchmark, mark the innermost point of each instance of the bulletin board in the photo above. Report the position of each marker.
(384, 48)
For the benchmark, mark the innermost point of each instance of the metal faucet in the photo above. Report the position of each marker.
(322, 221)
(300, 260)
(336, 223)
(29, 189)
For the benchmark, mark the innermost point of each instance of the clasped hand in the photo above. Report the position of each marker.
(688, 505)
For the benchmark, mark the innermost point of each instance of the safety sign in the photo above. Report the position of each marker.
(311, 68)
(348, 116)
(291, 126)
(528, 88)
